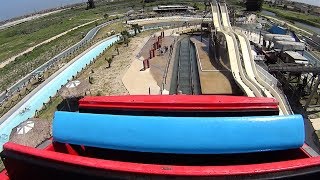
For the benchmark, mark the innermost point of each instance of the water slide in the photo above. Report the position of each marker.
(238, 75)
(250, 67)
(242, 62)
(244, 51)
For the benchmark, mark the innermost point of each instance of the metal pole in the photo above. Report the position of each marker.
(312, 93)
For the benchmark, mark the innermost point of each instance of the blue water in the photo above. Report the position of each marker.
(50, 89)
(268, 13)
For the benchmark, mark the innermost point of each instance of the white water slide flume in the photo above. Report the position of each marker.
(243, 48)
(233, 55)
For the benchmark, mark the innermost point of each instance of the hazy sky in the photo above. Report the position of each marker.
(13, 8)
(312, 2)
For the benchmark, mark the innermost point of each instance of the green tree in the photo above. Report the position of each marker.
(136, 28)
(106, 16)
(109, 60)
(90, 4)
(125, 33)
(117, 48)
(125, 37)
(195, 6)
(126, 40)
(254, 5)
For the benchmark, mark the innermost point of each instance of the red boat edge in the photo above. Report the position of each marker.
(70, 161)
(26, 162)
(179, 103)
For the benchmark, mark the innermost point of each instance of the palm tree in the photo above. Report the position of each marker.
(136, 27)
(126, 40)
(109, 60)
(125, 36)
(206, 5)
(117, 48)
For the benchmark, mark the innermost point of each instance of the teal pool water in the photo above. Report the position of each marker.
(43, 95)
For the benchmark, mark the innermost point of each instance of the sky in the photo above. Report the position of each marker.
(14, 8)
(312, 2)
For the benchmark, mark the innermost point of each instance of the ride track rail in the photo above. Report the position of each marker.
(186, 75)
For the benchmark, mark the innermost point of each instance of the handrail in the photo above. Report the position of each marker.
(191, 69)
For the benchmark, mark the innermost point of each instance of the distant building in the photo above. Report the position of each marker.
(276, 2)
(301, 7)
(172, 8)
(147, 1)
(316, 11)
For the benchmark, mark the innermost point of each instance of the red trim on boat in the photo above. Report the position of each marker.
(178, 102)
(162, 169)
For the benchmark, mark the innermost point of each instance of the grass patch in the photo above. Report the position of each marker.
(20, 37)
(48, 112)
(30, 61)
(117, 27)
(294, 16)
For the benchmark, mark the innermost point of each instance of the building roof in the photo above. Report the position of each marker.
(288, 45)
(296, 56)
(283, 38)
(269, 37)
(172, 7)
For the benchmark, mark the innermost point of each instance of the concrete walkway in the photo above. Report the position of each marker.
(315, 123)
(139, 82)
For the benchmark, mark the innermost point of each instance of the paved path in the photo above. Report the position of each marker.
(4, 63)
(138, 82)
(315, 123)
